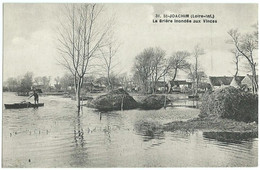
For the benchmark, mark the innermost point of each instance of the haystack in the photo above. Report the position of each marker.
(114, 100)
(231, 103)
(154, 102)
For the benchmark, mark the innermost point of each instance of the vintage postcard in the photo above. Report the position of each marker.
(131, 85)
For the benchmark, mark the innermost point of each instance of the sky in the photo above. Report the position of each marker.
(30, 35)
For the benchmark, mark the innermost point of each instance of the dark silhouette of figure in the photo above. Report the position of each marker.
(36, 97)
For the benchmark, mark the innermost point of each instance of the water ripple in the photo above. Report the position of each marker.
(57, 136)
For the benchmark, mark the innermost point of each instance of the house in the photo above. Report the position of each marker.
(180, 85)
(91, 87)
(130, 86)
(221, 81)
(246, 83)
(225, 81)
(38, 87)
(203, 86)
(236, 81)
(161, 86)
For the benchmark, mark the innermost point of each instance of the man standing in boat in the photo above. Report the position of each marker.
(36, 97)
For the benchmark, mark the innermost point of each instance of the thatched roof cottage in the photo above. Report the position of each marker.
(225, 81)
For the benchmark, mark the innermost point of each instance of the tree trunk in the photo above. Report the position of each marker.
(154, 87)
(254, 79)
(164, 94)
(122, 103)
(175, 74)
(196, 76)
(78, 93)
(236, 68)
(109, 82)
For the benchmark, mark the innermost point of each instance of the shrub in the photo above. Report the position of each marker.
(230, 103)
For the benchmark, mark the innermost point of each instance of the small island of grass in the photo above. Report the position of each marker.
(225, 110)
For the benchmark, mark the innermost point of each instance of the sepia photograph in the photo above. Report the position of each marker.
(129, 85)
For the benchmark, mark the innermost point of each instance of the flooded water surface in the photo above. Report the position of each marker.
(57, 136)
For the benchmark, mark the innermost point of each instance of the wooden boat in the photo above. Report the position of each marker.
(188, 106)
(23, 105)
(193, 96)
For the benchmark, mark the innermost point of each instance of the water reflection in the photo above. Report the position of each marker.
(230, 137)
(100, 116)
(79, 155)
(149, 131)
(78, 131)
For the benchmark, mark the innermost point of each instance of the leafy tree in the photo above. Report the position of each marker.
(12, 84)
(44, 81)
(26, 82)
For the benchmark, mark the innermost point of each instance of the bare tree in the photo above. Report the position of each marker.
(142, 69)
(159, 67)
(109, 63)
(178, 61)
(246, 45)
(66, 81)
(236, 59)
(150, 66)
(198, 51)
(80, 37)
(201, 75)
